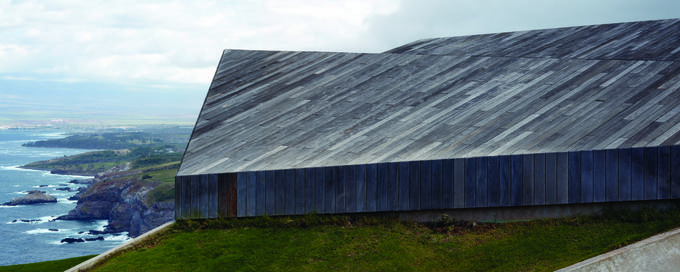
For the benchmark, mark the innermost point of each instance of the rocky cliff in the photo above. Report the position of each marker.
(126, 200)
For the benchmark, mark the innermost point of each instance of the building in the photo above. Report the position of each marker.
(542, 118)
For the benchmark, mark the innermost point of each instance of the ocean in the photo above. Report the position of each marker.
(30, 233)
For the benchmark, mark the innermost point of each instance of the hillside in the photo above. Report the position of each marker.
(376, 243)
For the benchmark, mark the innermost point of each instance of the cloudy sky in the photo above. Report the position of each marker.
(71, 59)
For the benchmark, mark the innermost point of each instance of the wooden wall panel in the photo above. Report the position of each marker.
(505, 180)
(309, 200)
(212, 196)
(280, 177)
(403, 186)
(393, 186)
(350, 189)
(675, 172)
(575, 177)
(372, 188)
(437, 184)
(599, 175)
(470, 180)
(459, 183)
(664, 172)
(330, 189)
(612, 175)
(587, 176)
(241, 193)
(637, 166)
(414, 185)
(381, 188)
(361, 188)
(527, 179)
(339, 189)
(539, 179)
(625, 174)
(251, 191)
(513, 180)
(562, 178)
(195, 207)
(517, 175)
(320, 189)
(425, 185)
(550, 178)
(270, 192)
(299, 191)
(481, 189)
(651, 173)
(447, 184)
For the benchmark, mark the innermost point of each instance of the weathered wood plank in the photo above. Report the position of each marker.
(178, 197)
(637, 167)
(539, 179)
(393, 186)
(212, 196)
(361, 188)
(404, 186)
(204, 196)
(599, 176)
(319, 189)
(505, 181)
(527, 179)
(280, 176)
(562, 178)
(651, 172)
(330, 189)
(574, 177)
(437, 184)
(372, 187)
(350, 189)
(270, 192)
(309, 189)
(470, 180)
(675, 172)
(299, 192)
(186, 202)
(625, 174)
(241, 194)
(459, 183)
(340, 189)
(426, 185)
(664, 172)
(414, 185)
(493, 181)
(481, 182)
(612, 175)
(381, 188)
(232, 195)
(550, 178)
(517, 182)
(447, 184)
(587, 174)
(251, 191)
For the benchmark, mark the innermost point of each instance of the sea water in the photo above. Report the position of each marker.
(29, 233)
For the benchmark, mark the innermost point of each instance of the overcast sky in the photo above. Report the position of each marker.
(172, 47)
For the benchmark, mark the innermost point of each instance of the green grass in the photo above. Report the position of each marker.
(320, 243)
(48, 266)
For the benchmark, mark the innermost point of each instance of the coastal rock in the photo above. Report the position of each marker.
(72, 240)
(98, 238)
(33, 197)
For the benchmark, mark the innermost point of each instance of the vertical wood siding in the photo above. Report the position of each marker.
(625, 174)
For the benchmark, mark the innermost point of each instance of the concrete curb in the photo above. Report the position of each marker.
(91, 262)
(657, 253)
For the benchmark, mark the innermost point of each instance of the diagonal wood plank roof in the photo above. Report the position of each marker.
(566, 89)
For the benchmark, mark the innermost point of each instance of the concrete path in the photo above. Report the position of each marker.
(95, 260)
(657, 253)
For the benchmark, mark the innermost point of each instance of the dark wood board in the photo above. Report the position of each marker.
(470, 180)
(550, 178)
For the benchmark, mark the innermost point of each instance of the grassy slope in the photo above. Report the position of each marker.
(318, 243)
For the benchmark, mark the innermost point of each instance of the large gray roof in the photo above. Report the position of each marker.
(566, 89)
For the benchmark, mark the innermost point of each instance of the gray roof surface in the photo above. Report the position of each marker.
(554, 90)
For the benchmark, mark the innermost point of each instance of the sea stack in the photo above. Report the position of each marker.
(33, 197)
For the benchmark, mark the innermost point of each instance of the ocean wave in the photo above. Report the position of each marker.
(42, 231)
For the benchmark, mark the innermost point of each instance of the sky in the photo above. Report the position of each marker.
(154, 60)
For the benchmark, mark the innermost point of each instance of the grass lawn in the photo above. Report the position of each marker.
(370, 243)
(58, 265)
